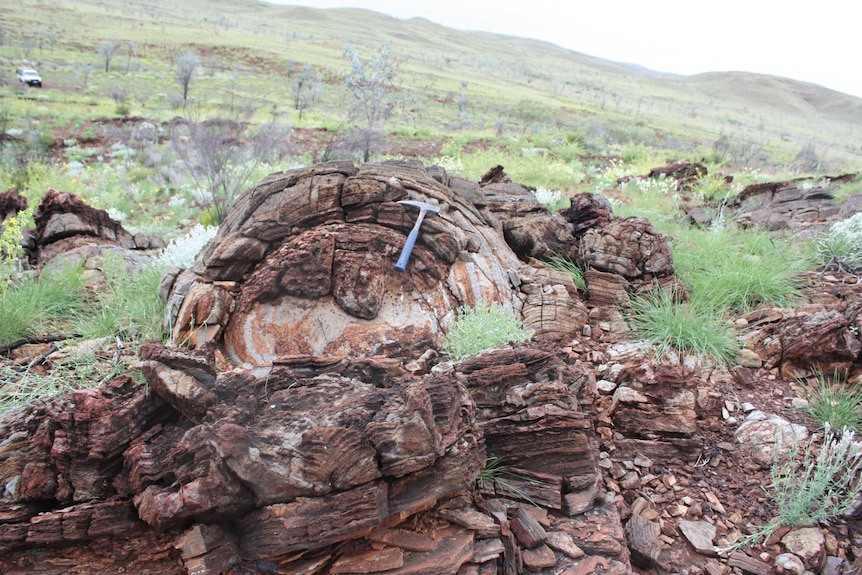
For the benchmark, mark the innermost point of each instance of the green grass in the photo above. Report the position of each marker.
(564, 264)
(848, 189)
(834, 403)
(683, 327)
(128, 306)
(72, 367)
(526, 165)
(38, 306)
(482, 327)
(738, 270)
(499, 475)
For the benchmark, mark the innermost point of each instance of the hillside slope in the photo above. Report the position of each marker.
(776, 116)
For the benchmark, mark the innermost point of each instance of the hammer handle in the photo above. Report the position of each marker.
(401, 264)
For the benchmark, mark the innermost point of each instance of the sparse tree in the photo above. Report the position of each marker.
(221, 154)
(187, 64)
(82, 75)
(306, 88)
(807, 157)
(52, 39)
(370, 83)
(27, 45)
(530, 112)
(132, 51)
(107, 49)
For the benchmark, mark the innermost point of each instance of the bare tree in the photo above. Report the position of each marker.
(222, 154)
(27, 44)
(107, 49)
(132, 51)
(371, 84)
(187, 64)
(82, 75)
(306, 88)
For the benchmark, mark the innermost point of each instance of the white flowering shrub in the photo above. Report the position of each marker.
(116, 214)
(812, 486)
(450, 164)
(840, 247)
(182, 251)
(551, 199)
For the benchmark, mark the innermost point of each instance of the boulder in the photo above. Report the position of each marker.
(305, 263)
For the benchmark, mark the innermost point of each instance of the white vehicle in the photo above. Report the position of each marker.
(30, 77)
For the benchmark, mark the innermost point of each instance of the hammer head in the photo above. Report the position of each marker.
(423, 206)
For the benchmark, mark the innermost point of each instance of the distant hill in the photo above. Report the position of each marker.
(763, 116)
(751, 108)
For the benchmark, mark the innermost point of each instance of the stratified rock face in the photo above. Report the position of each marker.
(339, 447)
(304, 263)
(298, 417)
(68, 231)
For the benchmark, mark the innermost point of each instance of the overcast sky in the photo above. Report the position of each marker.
(818, 42)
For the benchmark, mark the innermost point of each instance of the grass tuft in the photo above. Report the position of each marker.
(72, 367)
(833, 403)
(565, 265)
(36, 306)
(738, 270)
(128, 306)
(682, 327)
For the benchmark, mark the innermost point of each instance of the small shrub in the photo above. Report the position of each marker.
(712, 188)
(483, 327)
(181, 252)
(810, 488)
(836, 404)
(553, 200)
(840, 247)
(677, 326)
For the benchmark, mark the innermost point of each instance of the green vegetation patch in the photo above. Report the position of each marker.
(738, 270)
(35, 306)
(675, 326)
(834, 403)
(483, 327)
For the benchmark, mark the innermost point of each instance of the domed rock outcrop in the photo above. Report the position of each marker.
(304, 263)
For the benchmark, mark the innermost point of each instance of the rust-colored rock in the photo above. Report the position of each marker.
(289, 421)
(11, 202)
(64, 223)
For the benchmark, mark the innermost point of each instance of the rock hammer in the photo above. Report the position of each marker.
(424, 208)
